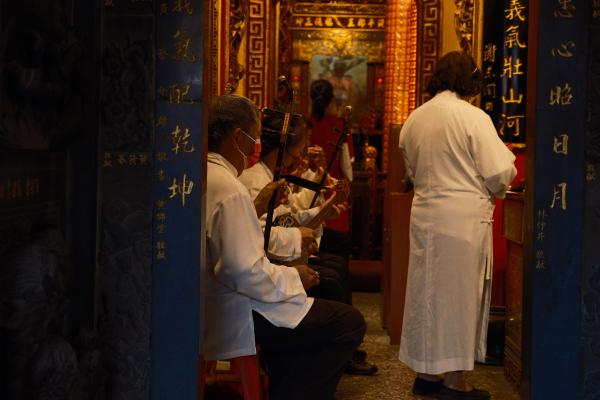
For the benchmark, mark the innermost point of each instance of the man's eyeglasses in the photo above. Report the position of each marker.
(255, 141)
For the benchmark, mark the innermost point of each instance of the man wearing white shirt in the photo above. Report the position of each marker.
(292, 240)
(305, 342)
(333, 269)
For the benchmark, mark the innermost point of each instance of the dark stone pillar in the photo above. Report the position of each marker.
(553, 269)
(126, 179)
(590, 279)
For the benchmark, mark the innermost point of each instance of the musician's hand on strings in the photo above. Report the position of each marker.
(316, 157)
(308, 237)
(340, 208)
(283, 195)
(261, 202)
(308, 276)
(313, 248)
(330, 181)
(339, 192)
(335, 210)
(300, 166)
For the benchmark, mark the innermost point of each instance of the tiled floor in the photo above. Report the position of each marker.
(394, 380)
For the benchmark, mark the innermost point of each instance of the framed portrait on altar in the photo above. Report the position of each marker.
(348, 75)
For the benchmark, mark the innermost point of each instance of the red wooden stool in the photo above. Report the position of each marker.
(243, 373)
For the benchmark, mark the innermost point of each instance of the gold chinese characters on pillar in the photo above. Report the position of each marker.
(504, 67)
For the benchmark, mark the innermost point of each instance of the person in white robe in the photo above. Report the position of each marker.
(305, 343)
(458, 166)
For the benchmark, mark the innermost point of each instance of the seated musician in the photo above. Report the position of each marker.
(333, 270)
(289, 239)
(305, 343)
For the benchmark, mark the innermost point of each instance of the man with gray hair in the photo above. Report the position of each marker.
(305, 343)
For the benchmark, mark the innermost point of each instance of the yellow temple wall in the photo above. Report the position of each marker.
(449, 37)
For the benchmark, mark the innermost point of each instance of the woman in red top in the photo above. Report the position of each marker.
(325, 133)
(336, 241)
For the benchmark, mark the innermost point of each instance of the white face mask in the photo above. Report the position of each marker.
(244, 156)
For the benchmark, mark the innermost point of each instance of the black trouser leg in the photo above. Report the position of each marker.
(335, 249)
(336, 242)
(339, 265)
(307, 362)
(330, 286)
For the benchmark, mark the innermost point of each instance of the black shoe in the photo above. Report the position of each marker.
(359, 355)
(361, 368)
(445, 393)
(423, 387)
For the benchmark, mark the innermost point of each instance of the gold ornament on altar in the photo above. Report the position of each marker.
(337, 42)
(370, 154)
(463, 23)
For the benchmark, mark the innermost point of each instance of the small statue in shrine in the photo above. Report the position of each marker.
(370, 156)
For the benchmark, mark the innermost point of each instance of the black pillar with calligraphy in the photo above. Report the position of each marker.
(504, 66)
(590, 295)
(556, 112)
(178, 230)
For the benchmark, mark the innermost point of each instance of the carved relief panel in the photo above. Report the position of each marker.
(228, 23)
(429, 44)
(259, 55)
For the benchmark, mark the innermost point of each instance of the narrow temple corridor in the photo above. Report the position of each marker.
(394, 380)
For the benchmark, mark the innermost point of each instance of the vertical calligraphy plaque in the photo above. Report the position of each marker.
(504, 66)
(177, 220)
(552, 324)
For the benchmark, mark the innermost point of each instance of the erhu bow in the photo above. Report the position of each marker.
(281, 81)
(338, 146)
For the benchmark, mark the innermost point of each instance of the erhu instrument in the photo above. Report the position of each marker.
(282, 81)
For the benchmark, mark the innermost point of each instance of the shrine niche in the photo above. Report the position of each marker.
(342, 42)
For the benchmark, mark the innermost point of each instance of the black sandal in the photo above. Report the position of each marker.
(423, 387)
(445, 393)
